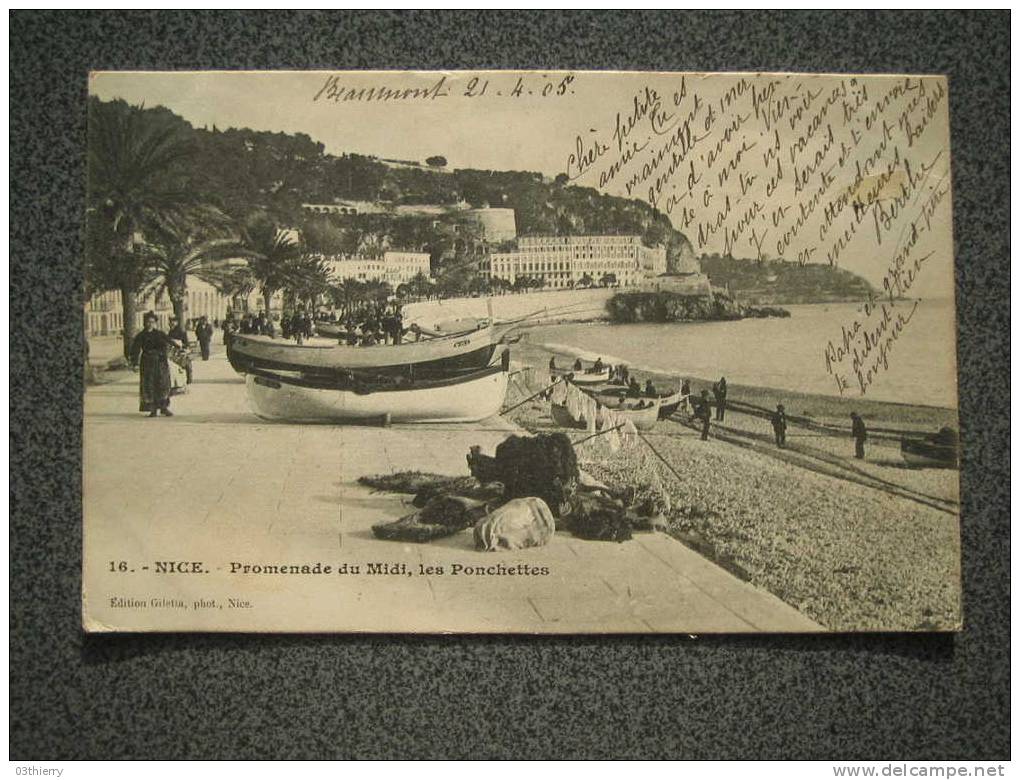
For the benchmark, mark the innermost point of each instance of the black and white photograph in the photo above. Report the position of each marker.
(519, 352)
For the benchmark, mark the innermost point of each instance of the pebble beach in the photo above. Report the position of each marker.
(856, 546)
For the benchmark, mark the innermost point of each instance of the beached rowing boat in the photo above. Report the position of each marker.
(455, 352)
(468, 398)
(610, 395)
(939, 450)
(669, 403)
(644, 418)
(586, 378)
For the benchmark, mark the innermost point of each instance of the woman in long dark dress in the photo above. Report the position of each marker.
(148, 351)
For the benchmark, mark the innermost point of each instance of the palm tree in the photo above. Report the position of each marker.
(276, 262)
(378, 291)
(131, 189)
(172, 255)
(420, 285)
(346, 294)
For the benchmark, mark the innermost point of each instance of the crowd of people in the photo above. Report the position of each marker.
(367, 326)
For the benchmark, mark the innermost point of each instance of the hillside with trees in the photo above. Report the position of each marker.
(240, 170)
(167, 200)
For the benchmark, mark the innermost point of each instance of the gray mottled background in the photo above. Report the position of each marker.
(331, 697)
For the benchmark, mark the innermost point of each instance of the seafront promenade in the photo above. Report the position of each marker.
(217, 487)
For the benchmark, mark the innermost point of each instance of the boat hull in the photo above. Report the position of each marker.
(668, 404)
(643, 419)
(923, 453)
(330, 329)
(423, 359)
(610, 395)
(467, 399)
(583, 378)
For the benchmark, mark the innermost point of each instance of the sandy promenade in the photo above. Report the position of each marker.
(217, 487)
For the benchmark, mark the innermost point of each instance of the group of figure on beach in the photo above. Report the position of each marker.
(699, 408)
(153, 351)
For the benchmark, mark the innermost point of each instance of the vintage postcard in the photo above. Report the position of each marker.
(520, 352)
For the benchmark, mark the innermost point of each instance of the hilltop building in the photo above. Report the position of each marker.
(393, 267)
(345, 207)
(493, 225)
(564, 261)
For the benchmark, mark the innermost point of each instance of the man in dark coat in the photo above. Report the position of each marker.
(398, 326)
(204, 332)
(148, 352)
(779, 425)
(229, 327)
(860, 434)
(704, 413)
(719, 389)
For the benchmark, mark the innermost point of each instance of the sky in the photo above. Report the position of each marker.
(537, 120)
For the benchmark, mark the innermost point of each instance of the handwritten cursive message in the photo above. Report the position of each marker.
(843, 171)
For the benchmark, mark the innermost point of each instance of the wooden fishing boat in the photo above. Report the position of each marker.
(582, 377)
(939, 450)
(414, 359)
(468, 398)
(669, 403)
(644, 418)
(610, 395)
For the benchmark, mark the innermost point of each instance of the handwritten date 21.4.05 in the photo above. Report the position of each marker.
(494, 85)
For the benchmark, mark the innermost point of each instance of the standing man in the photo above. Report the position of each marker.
(779, 426)
(719, 389)
(685, 397)
(860, 434)
(398, 325)
(204, 333)
(704, 414)
(229, 326)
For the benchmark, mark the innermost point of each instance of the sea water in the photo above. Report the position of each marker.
(784, 354)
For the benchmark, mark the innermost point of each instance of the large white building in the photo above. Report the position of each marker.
(393, 267)
(564, 261)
